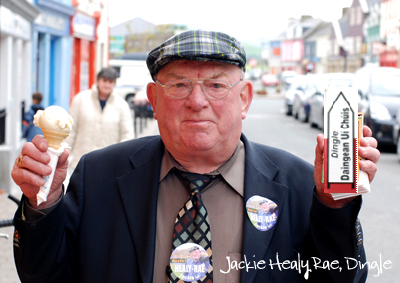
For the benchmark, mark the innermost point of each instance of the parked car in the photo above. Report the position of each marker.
(301, 104)
(286, 79)
(396, 133)
(297, 85)
(253, 74)
(132, 75)
(316, 113)
(269, 80)
(380, 102)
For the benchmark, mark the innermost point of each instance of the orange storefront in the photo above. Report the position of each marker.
(83, 31)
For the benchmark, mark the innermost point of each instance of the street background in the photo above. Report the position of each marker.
(267, 123)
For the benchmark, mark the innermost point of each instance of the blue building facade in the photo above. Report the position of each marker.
(52, 44)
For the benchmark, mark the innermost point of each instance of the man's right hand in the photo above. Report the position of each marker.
(29, 170)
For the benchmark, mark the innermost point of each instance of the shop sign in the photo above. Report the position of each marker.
(84, 26)
(117, 44)
(51, 21)
(14, 24)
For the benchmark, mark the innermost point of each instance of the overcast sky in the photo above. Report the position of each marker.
(250, 21)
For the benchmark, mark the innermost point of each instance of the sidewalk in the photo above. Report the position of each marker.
(8, 273)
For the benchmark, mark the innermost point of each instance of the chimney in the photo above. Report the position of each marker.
(344, 10)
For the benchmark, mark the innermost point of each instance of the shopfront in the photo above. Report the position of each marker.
(83, 73)
(389, 58)
(52, 45)
(16, 17)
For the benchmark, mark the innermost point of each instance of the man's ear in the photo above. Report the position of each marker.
(246, 95)
(152, 97)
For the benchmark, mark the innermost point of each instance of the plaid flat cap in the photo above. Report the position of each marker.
(197, 45)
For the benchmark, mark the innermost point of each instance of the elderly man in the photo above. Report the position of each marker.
(130, 206)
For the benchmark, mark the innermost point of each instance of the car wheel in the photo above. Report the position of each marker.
(129, 98)
(288, 109)
(295, 112)
(398, 148)
(311, 120)
(322, 126)
(302, 115)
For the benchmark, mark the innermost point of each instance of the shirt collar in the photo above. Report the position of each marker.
(232, 170)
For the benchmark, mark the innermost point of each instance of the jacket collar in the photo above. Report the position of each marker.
(95, 93)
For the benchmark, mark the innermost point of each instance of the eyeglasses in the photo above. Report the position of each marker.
(182, 88)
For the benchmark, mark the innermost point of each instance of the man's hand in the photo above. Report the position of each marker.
(30, 167)
(367, 151)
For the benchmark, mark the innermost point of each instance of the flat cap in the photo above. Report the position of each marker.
(263, 201)
(197, 45)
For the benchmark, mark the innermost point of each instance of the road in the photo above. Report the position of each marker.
(266, 123)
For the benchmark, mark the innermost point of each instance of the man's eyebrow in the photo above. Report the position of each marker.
(215, 76)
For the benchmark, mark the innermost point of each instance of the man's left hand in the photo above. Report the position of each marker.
(369, 155)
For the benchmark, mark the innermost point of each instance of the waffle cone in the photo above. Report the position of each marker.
(54, 139)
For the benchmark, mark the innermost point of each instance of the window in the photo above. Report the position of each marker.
(359, 16)
(2, 126)
(352, 16)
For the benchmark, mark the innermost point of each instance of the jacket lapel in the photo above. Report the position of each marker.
(259, 175)
(139, 192)
(141, 209)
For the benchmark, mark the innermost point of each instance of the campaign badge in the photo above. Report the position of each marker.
(189, 262)
(263, 212)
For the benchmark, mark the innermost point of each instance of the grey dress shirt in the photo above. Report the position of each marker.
(224, 202)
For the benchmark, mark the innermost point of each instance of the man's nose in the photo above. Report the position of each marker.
(197, 99)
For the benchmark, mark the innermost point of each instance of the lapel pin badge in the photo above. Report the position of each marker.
(263, 212)
(189, 262)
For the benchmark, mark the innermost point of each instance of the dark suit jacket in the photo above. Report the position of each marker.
(104, 228)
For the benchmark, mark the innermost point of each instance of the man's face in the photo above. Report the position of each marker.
(197, 125)
(265, 207)
(195, 255)
(105, 86)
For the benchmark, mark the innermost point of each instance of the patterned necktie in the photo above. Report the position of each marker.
(191, 224)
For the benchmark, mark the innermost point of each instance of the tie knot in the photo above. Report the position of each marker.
(193, 181)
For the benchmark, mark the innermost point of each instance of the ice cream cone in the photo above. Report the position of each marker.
(54, 139)
(55, 124)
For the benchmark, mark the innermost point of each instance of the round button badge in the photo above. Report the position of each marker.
(262, 212)
(189, 262)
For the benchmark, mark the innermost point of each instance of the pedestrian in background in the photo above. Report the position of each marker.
(30, 130)
(101, 118)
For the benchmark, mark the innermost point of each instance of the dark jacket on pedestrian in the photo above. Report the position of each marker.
(29, 129)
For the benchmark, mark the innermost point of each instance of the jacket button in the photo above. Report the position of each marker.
(358, 236)
(358, 228)
(359, 242)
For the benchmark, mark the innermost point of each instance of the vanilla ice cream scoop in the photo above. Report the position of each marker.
(55, 123)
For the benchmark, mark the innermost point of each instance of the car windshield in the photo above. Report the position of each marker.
(385, 84)
(299, 82)
(340, 83)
